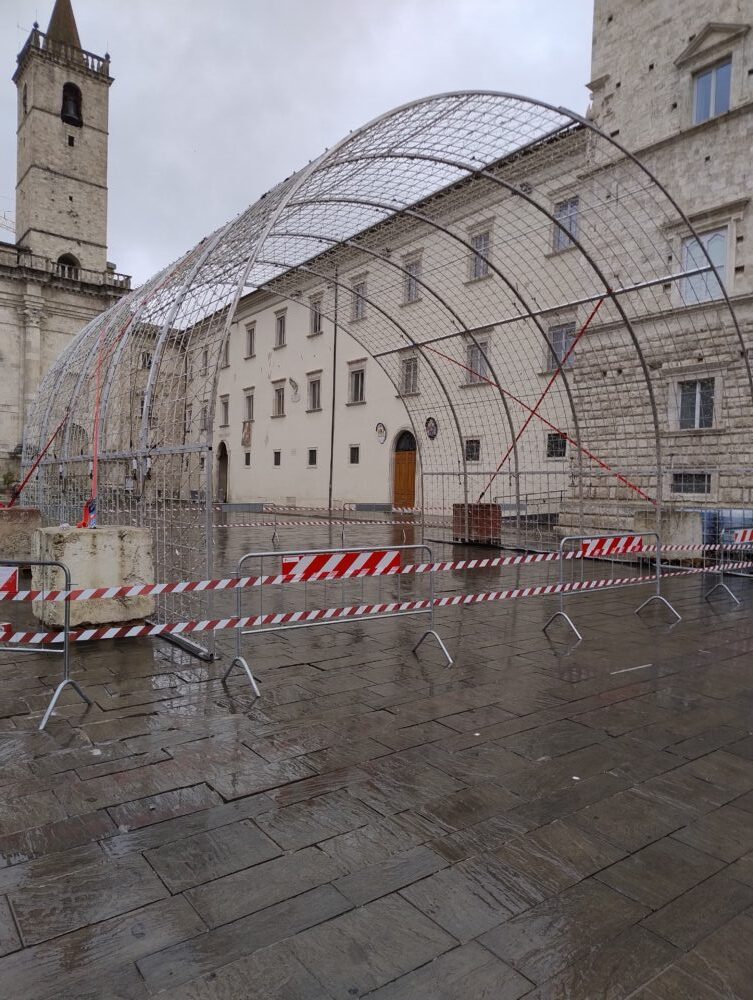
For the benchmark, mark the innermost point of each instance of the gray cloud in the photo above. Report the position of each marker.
(213, 103)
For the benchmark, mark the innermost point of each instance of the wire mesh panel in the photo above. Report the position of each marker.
(537, 300)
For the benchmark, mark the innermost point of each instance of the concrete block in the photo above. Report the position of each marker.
(17, 527)
(101, 557)
(678, 527)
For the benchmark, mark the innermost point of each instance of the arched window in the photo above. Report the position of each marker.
(25, 99)
(71, 109)
(68, 265)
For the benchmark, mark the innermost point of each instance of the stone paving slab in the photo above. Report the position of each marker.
(543, 819)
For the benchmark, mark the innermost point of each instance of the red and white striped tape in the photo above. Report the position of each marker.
(744, 535)
(246, 582)
(311, 523)
(611, 546)
(341, 564)
(276, 619)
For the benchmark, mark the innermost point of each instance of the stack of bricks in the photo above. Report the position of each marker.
(484, 523)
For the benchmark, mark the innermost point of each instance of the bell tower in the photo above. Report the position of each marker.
(61, 188)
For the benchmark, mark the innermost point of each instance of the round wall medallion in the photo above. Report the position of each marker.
(431, 428)
(381, 433)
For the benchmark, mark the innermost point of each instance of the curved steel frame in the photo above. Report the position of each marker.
(147, 372)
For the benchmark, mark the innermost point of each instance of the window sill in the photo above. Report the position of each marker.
(247, 357)
(317, 333)
(224, 366)
(475, 281)
(695, 431)
(407, 395)
(315, 409)
(558, 253)
(356, 402)
(412, 302)
(477, 385)
(223, 427)
(357, 319)
(277, 416)
(279, 347)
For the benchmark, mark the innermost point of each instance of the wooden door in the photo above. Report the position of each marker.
(405, 479)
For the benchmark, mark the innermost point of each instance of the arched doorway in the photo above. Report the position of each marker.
(222, 472)
(404, 471)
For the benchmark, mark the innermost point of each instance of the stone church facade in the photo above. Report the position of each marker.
(55, 276)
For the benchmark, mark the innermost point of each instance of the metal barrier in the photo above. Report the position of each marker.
(301, 565)
(733, 541)
(67, 679)
(615, 549)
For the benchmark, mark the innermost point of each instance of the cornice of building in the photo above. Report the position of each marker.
(41, 46)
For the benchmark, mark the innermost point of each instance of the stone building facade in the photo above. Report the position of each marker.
(55, 277)
(673, 85)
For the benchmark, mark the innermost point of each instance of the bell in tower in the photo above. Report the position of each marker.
(71, 110)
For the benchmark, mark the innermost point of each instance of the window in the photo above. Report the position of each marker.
(412, 281)
(248, 405)
(479, 265)
(312, 457)
(204, 418)
(226, 354)
(277, 458)
(280, 318)
(691, 482)
(247, 458)
(145, 359)
(71, 140)
(224, 411)
(711, 91)
(251, 340)
(566, 224)
(358, 300)
(354, 454)
(556, 446)
(204, 361)
(473, 449)
(409, 376)
(315, 316)
(278, 403)
(357, 385)
(475, 359)
(696, 404)
(70, 110)
(188, 418)
(561, 339)
(315, 393)
(704, 287)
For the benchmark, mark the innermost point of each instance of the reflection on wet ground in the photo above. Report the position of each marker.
(539, 820)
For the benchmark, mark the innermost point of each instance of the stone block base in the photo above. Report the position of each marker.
(100, 557)
(17, 527)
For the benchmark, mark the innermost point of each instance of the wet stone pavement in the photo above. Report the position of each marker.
(539, 820)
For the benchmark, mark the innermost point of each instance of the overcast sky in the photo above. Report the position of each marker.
(214, 101)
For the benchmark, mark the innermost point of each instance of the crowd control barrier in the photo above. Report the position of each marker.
(9, 583)
(615, 550)
(734, 551)
(302, 565)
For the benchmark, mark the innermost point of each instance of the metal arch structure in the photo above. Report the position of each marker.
(137, 388)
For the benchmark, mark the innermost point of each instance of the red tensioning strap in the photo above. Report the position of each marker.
(542, 397)
(589, 454)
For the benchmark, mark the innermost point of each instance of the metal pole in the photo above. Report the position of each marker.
(334, 395)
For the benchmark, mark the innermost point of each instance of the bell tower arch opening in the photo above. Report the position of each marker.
(70, 111)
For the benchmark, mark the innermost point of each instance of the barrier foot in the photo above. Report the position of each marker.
(439, 641)
(568, 620)
(58, 691)
(239, 661)
(664, 601)
(722, 586)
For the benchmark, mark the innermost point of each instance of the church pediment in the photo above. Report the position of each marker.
(710, 41)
